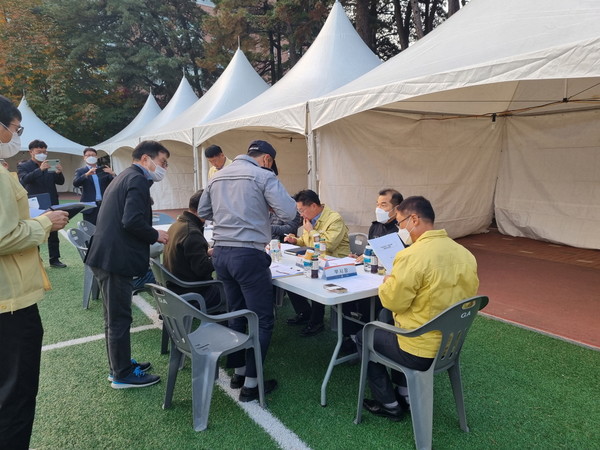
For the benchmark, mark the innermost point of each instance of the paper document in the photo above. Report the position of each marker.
(386, 247)
(279, 270)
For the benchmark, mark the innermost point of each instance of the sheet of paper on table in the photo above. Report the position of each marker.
(279, 270)
(355, 284)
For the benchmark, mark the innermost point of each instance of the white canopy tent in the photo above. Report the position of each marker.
(493, 113)
(148, 112)
(59, 147)
(173, 191)
(279, 115)
(238, 84)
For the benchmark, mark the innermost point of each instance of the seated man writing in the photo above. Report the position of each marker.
(330, 226)
(431, 275)
(187, 255)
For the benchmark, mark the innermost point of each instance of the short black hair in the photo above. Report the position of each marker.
(307, 197)
(36, 143)
(8, 111)
(89, 149)
(212, 151)
(195, 200)
(417, 205)
(150, 148)
(396, 196)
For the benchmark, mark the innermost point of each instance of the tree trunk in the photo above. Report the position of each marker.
(402, 24)
(453, 7)
(363, 23)
(416, 16)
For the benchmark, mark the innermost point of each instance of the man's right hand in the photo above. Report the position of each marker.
(59, 219)
(163, 237)
(92, 171)
(44, 165)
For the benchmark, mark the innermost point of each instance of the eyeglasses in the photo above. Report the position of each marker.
(19, 130)
(399, 222)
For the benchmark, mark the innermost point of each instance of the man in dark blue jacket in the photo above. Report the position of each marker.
(93, 181)
(38, 177)
(120, 250)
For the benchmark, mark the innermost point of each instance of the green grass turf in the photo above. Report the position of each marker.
(522, 390)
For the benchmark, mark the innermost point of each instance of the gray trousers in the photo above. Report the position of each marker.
(380, 382)
(116, 296)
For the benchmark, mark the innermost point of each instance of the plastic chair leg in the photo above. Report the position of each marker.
(259, 372)
(164, 343)
(420, 390)
(361, 389)
(203, 381)
(174, 359)
(457, 389)
(88, 281)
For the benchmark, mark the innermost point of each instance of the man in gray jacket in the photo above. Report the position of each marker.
(238, 199)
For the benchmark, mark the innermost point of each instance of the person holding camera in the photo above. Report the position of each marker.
(93, 181)
(38, 176)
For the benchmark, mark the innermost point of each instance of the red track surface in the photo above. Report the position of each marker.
(546, 287)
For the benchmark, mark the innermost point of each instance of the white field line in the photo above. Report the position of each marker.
(284, 437)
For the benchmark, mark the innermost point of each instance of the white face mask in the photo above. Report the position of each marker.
(41, 157)
(158, 174)
(405, 236)
(91, 160)
(382, 216)
(10, 148)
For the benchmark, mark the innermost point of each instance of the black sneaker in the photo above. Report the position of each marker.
(311, 329)
(144, 366)
(237, 381)
(298, 319)
(136, 379)
(57, 263)
(248, 394)
(348, 347)
(395, 414)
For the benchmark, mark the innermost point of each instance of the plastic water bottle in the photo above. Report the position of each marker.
(374, 263)
(275, 248)
(367, 258)
(314, 271)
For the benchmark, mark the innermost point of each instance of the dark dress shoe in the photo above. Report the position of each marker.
(57, 263)
(348, 347)
(374, 407)
(237, 381)
(311, 329)
(298, 319)
(248, 394)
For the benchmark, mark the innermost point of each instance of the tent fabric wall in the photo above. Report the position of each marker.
(453, 163)
(549, 180)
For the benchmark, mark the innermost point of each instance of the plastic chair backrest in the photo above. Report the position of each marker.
(177, 315)
(80, 240)
(87, 227)
(161, 219)
(358, 242)
(453, 323)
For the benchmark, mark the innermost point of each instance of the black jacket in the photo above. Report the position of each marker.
(121, 243)
(382, 229)
(186, 253)
(88, 193)
(37, 181)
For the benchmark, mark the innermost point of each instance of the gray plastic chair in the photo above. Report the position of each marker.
(358, 242)
(453, 323)
(91, 289)
(163, 277)
(87, 227)
(205, 345)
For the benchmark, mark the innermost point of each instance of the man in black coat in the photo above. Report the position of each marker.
(93, 181)
(120, 250)
(37, 177)
(187, 255)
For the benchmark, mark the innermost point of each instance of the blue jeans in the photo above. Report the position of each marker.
(247, 281)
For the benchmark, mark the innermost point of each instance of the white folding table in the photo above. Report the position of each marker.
(363, 285)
